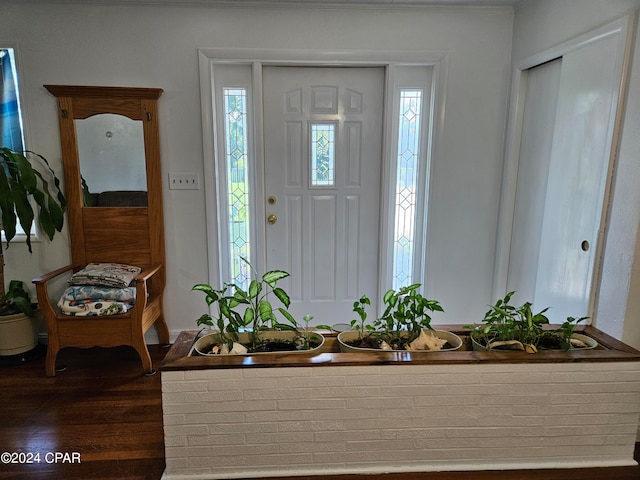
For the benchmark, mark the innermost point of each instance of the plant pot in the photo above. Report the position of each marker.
(344, 337)
(18, 333)
(591, 343)
(202, 344)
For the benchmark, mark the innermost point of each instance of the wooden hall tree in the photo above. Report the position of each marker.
(104, 231)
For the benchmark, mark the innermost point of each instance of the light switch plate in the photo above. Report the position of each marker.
(184, 181)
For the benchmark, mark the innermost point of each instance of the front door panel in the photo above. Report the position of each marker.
(323, 131)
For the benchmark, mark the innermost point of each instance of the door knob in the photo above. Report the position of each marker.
(272, 219)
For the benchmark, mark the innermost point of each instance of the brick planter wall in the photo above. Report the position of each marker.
(286, 421)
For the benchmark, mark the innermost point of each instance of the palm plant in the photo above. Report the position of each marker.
(26, 178)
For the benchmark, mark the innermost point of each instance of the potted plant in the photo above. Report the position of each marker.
(24, 178)
(404, 325)
(246, 320)
(510, 327)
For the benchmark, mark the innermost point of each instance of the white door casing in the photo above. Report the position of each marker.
(325, 236)
(244, 68)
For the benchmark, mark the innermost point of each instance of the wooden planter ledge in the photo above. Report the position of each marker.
(289, 415)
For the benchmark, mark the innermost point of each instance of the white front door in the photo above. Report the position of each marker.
(323, 161)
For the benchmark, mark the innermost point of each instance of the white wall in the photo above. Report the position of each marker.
(542, 24)
(156, 46)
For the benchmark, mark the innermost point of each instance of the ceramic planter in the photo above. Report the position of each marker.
(202, 344)
(590, 342)
(18, 334)
(344, 337)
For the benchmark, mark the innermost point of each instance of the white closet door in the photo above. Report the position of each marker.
(535, 155)
(579, 164)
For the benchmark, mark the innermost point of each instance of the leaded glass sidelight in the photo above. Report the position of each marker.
(236, 157)
(408, 156)
(323, 152)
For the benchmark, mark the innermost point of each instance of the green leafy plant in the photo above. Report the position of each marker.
(359, 325)
(17, 299)
(405, 316)
(25, 178)
(561, 337)
(248, 310)
(517, 327)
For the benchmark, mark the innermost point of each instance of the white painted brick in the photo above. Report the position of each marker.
(576, 398)
(247, 451)
(311, 404)
(423, 433)
(532, 399)
(595, 376)
(185, 386)
(458, 400)
(172, 376)
(285, 420)
(174, 464)
(294, 459)
(186, 430)
(213, 464)
(243, 406)
(277, 416)
(515, 378)
(386, 403)
(326, 381)
(313, 447)
(377, 423)
(250, 373)
(187, 452)
(505, 420)
(214, 418)
(325, 425)
(295, 426)
(218, 374)
(168, 420)
(175, 441)
(240, 428)
(281, 437)
(347, 435)
(217, 439)
(239, 384)
(202, 397)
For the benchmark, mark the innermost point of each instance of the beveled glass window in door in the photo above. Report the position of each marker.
(236, 158)
(323, 152)
(407, 165)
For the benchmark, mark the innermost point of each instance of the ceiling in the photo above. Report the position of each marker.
(472, 3)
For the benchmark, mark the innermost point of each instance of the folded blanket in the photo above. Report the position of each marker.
(93, 307)
(116, 275)
(83, 292)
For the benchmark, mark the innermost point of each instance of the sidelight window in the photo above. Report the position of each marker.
(236, 159)
(407, 178)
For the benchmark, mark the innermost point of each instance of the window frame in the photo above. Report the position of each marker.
(421, 77)
(21, 236)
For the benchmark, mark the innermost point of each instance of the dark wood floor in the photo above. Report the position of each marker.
(103, 408)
